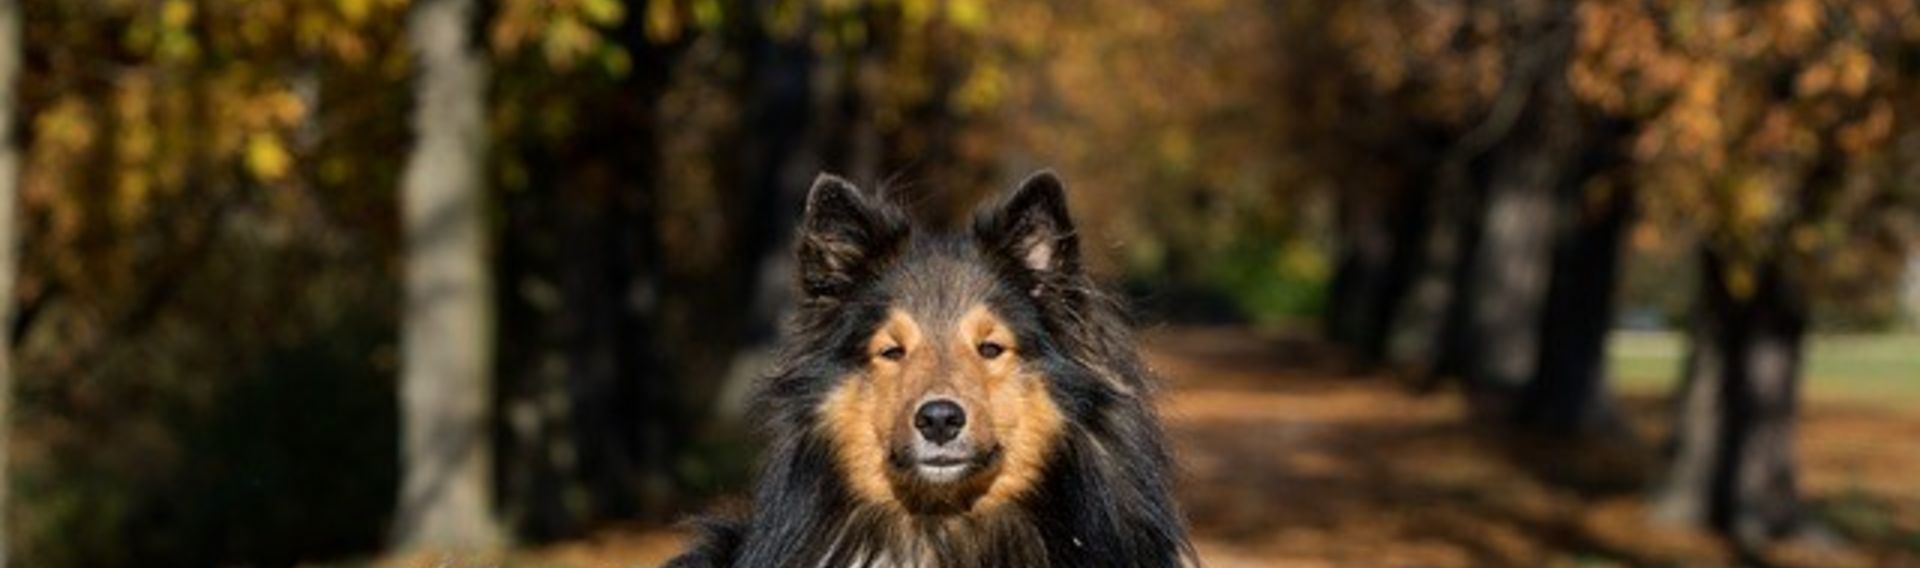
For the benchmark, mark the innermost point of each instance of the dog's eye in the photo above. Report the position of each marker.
(991, 350)
(894, 353)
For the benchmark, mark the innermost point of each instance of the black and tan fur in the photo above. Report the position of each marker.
(1060, 461)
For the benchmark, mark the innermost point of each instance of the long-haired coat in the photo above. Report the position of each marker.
(953, 399)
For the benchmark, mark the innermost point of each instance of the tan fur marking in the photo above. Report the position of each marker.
(1025, 419)
(857, 413)
(1030, 434)
(870, 413)
(899, 330)
(862, 455)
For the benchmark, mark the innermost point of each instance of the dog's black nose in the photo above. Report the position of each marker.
(939, 420)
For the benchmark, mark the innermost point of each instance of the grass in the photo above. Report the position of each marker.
(1870, 368)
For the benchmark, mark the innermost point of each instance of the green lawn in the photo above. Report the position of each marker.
(1874, 368)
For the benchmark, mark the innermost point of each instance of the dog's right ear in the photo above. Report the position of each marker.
(844, 236)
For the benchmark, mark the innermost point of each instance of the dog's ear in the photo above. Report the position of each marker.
(844, 235)
(1031, 228)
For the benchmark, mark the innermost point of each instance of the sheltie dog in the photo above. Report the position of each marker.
(953, 399)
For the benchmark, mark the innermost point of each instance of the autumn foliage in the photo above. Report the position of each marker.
(208, 301)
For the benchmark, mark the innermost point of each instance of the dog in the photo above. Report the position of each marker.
(957, 398)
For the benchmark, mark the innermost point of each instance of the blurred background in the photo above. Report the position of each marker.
(1432, 282)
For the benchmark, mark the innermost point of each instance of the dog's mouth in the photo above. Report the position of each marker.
(944, 466)
(944, 469)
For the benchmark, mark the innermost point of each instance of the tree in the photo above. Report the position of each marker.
(1733, 467)
(9, 229)
(447, 329)
(1567, 394)
(1769, 129)
(1446, 269)
(1510, 264)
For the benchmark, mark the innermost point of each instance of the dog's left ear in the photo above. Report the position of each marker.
(1031, 227)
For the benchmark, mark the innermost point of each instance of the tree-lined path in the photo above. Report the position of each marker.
(1290, 461)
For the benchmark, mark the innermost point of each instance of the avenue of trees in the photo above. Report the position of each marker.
(314, 279)
(1777, 137)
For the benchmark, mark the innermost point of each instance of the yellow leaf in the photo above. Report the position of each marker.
(176, 14)
(355, 11)
(1740, 280)
(967, 14)
(663, 21)
(916, 12)
(67, 125)
(567, 39)
(983, 89)
(266, 157)
(1754, 203)
(1304, 260)
(707, 14)
(603, 12)
(131, 190)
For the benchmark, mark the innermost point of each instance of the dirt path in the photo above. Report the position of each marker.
(1290, 462)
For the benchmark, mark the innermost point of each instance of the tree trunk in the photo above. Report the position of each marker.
(1567, 393)
(1910, 293)
(447, 332)
(1511, 273)
(1511, 264)
(1378, 258)
(10, 46)
(781, 155)
(1685, 495)
(1454, 342)
(1733, 466)
(1420, 327)
(1410, 218)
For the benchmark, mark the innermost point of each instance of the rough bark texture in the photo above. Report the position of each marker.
(1381, 254)
(1513, 258)
(1910, 292)
(1567, 394)
(1415, 331)
(9, 257)
(1361, 278)
(446, 340)
(1733, 445)
(1454, 346)
(1512, 268)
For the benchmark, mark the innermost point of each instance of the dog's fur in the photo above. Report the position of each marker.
(1067, 465)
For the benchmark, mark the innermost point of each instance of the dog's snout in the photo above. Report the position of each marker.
(940, 420)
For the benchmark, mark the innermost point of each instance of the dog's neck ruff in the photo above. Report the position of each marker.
(872, 538)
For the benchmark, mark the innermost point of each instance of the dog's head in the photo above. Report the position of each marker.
(938, 401)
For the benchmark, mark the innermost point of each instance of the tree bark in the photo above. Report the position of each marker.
(781, 155)
(1513, 256)
(1377, 260)
(1910, 292)
(446, 493)
(1453, 340)
(1567, 393)
(10, 45)
(1511, 273)
(1733, 464)
(1685, 495)
(1415, 329)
